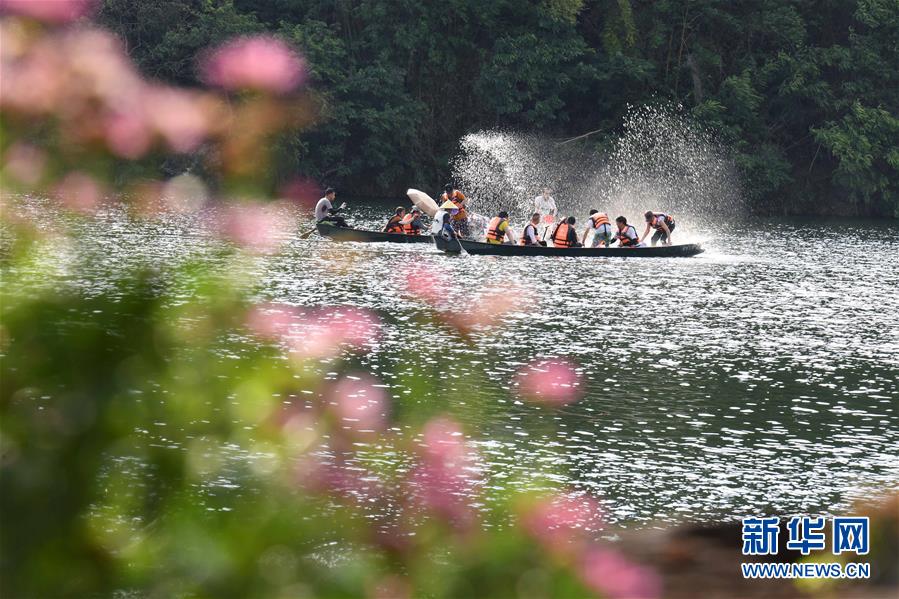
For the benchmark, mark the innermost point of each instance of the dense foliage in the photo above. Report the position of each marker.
(803, 92)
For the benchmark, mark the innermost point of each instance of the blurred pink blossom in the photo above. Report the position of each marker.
(323, 333)
(559, 522)
(272, 321)
(391, 586)
(260, 228)
(182, 118)
(49, 11)
(79, 192)
(358, 403)
(315, 333)
(304, 192)
(553, 382)
(488, 309)
(327, 471)
(610, 574)
(443, 480)
(33, 82)
(425, 282)
(354, 326)
(261, 63)
(127, 134)
(25, 163)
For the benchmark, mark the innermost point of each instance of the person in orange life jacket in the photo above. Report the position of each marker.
(460, 218)
(564, 235)
(627, 234)
(529, 235)
(601, 227)
(662, 223)
(412, 222)
(393, 225)
(499, 228)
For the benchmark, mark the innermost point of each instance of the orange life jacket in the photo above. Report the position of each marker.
(393, 225)
(669, 220)
(624, 240)
(408, 227)
(494, 234)
(525, 239)
(560, 235)
(600, 218)
(457, 198)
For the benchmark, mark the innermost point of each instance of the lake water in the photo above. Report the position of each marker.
(759, 376)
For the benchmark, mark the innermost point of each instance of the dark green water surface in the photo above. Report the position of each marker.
(759, 376)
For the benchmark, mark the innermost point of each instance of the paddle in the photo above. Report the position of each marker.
(543, 239)
(315, 228)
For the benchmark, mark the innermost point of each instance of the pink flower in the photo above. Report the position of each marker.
(260, 228)
(316, 333)
(261, 63)
(323, 333)
(359, 403)
(426, 283)
(25, 163)
(329, 471)
(35, 81)
(127, 134)
(553, 382)
(183, 119)
(304, 192)
(488, 309)
(391, 586)
(79, 192)
(443, 480)
(559, 522)
(612, 575)
(354, 326)
(49, 11)
(272, 321)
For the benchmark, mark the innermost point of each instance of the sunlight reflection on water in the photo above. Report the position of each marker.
(760, 376)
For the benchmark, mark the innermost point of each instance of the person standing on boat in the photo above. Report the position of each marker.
(412, 222)
(499, 229)
(601, 227)
(394, 225)
(529, 235)
(545, 204)
(564, 235)
(325, 211)
(662, 223)
(627, 234)
(460, 218)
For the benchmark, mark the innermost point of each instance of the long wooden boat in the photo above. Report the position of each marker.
(347, 234)
(456, 246)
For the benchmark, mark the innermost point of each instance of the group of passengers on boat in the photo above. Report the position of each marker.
(564, 234)
(452, 220)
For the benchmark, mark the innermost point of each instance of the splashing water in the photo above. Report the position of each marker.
(663, 161)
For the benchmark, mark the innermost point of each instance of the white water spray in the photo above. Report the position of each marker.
(663, 161)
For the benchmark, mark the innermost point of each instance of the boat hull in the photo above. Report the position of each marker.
(455, 246)
(346, 234)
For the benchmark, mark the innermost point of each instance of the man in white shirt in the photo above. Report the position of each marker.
(545, 204)
(325, 211)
